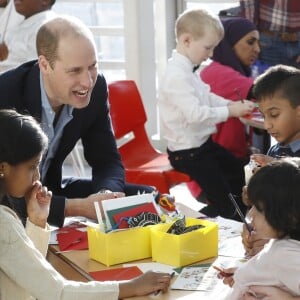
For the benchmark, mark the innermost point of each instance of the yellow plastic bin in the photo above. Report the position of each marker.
(187, 248)
(120, 246)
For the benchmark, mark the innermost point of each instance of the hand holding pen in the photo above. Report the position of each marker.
(226, 275)
(159, 291)
(252, 242)
(222, 272)
(239, 108)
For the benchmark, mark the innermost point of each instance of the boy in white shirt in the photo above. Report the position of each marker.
(19, 43)
(189, 114)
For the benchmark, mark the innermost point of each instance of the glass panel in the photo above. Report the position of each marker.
(110, 47)
(113, 75)
(212, 7)
(93, 14)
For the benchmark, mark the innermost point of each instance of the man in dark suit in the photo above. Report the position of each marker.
(65, 93)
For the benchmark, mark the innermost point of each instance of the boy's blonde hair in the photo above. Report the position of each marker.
(196, 21)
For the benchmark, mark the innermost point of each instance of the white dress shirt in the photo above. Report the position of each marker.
(188, 110)
(21, 40)
(9, 18)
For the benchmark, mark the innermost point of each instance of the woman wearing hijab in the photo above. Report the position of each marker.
(229, 76)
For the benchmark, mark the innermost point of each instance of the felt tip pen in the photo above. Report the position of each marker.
(158, 291)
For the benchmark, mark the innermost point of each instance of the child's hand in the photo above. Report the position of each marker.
(38, 200)
(148, 283)
(239, 108)
(252, 242)
(227, 276)
(245, 198)
(261, 159)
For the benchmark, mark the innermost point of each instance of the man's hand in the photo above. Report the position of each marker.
(38, 200)
(85, 206)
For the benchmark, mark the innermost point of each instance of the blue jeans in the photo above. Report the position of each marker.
(274, 51)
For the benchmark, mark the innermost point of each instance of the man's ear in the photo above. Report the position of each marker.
(43, 64)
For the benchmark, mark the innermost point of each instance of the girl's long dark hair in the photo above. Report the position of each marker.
(21, 138)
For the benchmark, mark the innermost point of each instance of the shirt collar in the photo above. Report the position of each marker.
(182, 59)
(46, 104)
(294, 146)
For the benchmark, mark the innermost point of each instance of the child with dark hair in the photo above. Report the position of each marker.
(274, 193)
(24, 271)
(277, 92)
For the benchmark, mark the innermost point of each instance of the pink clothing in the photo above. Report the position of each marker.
(230, 84)
(278, 264)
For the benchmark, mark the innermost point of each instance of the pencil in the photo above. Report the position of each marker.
(231, 197)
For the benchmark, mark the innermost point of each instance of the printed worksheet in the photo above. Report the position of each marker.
(196, 278)
(204, 277)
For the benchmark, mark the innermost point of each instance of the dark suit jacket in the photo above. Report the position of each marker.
(20, 89)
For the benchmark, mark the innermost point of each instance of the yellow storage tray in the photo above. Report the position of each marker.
(187, 248)
(120, 246)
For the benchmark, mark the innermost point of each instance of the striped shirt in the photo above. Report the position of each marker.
(273, 15)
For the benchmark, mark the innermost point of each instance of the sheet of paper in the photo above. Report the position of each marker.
(70, 222)
(204, 277)
(152, 266)
(125, 202)
(200, 278)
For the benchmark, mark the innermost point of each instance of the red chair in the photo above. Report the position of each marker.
(143, 163)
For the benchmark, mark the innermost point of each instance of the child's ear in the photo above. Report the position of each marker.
(186, 38)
